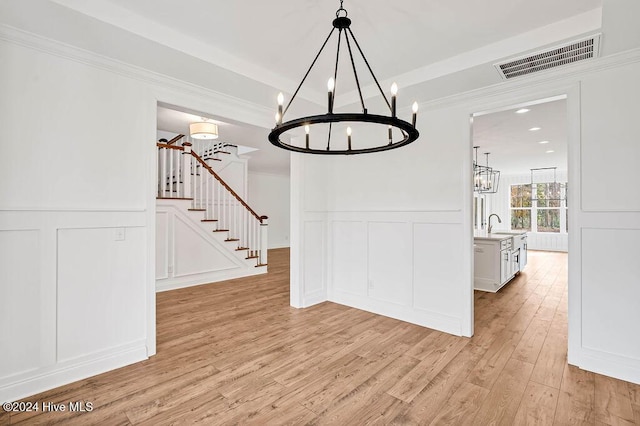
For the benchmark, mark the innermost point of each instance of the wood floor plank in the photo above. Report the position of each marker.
(237, 353)
(419, 377)
(576, 402)
(501, 404)
(552, 360)
(532, 341)
(344, 408)
(426, 405)
(538, 406)
(612, 401)
(460, 408)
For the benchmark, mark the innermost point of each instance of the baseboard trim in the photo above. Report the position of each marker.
(416, 316)
(46, 379)
(622, 368)
(206, 278)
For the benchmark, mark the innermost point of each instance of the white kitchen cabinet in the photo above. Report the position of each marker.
(497, 259)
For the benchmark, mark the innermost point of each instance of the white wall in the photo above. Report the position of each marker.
(77, 208)
(387, 232)
(74, 213)
(604, 298)
(370, 247)
(269, 196)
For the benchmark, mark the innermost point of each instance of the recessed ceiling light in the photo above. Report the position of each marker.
(534, 129)
(522, 111)
(550, 151)
(543, 142)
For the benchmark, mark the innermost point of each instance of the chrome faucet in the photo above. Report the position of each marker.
(490, 226)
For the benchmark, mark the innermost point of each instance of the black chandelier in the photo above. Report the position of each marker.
(408, 130)
(485, 178)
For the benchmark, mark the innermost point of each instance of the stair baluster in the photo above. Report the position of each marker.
(182, 173)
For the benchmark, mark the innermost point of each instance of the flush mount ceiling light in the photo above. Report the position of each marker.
(543, 142)
(534, 129)
(522, 110)
(203, 130)
(317, 145)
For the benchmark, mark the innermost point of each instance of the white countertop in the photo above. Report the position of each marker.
(495, 236)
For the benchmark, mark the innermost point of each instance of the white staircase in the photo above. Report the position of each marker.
(205, 231)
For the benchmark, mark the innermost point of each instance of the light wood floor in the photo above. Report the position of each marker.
(235, 352)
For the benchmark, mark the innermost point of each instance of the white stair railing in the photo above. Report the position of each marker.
(182, 173)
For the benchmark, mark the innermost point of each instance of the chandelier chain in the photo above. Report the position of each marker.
(342, 9)
(384, 96)
(355, 73)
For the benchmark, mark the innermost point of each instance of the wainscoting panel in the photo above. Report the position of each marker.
(74, 286)
(313, 262)
(162, 245)
(405, 265)
(611, 295)
(390, 262)
(349, 257)
(433, 287)
(98, 307)
(22, 325)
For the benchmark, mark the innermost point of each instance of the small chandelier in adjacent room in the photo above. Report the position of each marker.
(552, 191)
(485, 178)
(204, 129)
(388, 131)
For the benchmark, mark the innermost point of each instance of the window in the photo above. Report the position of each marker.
(548, 202)
(521, 207)
(546, 207)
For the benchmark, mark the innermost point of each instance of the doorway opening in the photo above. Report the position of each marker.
(520, 219)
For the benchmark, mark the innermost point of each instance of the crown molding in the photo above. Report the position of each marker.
(249, 112)
(559, 77)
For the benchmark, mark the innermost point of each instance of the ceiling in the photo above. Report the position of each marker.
(275, 41)
(266, 158)
(513, 147)
(417, 43)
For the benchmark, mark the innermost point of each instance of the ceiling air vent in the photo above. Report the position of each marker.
(575, 51)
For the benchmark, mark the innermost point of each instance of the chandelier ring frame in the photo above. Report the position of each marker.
(409, 132)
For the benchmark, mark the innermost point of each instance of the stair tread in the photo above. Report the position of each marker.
(220, 230)
(261, 264)
(232, 239)
(252, 257)
(173, 198)
(209, 220)
(242, 248)
(197, 210)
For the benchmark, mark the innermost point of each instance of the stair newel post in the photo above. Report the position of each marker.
(159, 173)
(264, 223)
(185, 168)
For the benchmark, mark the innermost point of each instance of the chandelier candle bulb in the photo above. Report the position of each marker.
(394, 92)
(280, 104)
(415, 113)
(306, 136)
(349, 137)
(331, 84)
(390, 135)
